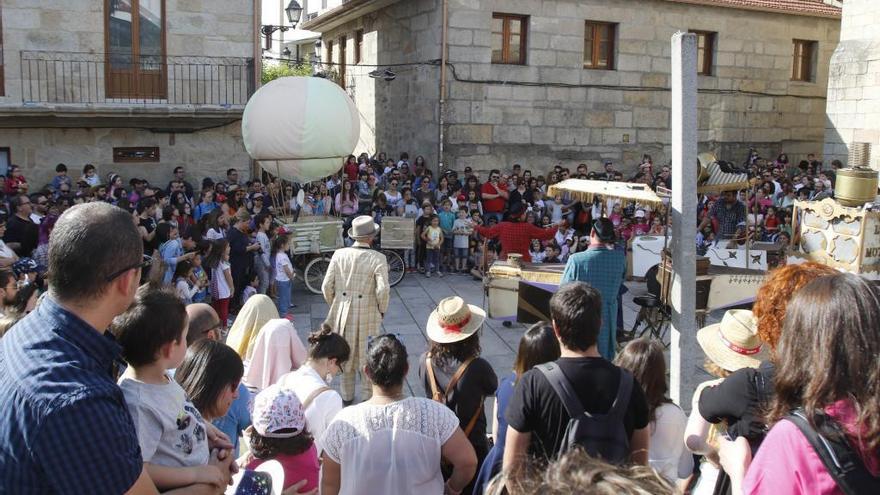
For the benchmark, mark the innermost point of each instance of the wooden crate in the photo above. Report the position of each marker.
(315, 234)
(398, 233)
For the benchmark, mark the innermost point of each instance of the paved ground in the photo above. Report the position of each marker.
(414, 299)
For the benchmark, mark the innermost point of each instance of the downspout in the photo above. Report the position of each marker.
(442, 107)
(258, 66)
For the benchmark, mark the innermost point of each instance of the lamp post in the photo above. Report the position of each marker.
(294, 14)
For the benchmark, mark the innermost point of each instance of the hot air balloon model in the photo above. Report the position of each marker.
(300, 128)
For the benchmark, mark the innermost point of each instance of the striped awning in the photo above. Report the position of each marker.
(720, 181)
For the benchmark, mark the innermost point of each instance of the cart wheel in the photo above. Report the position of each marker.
(314, 274)
(396, 266)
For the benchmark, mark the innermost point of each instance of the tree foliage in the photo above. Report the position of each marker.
(274, 70)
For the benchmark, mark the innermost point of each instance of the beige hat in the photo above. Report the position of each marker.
(454, 321)
(363, 226)
(733, 343)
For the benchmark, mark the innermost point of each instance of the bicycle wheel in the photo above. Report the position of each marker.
(314, 273)
(396, 266)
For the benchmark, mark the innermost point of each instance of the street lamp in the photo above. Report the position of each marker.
(294, 13)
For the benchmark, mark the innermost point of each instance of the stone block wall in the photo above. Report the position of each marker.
(205, 28)
(204, 154)
(854, 83)
(399, 115)
(553, 110)
(200, 28)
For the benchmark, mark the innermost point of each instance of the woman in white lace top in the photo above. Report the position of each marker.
(393, 443)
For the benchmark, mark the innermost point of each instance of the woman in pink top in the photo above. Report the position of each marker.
(828, 363)
(346, 200)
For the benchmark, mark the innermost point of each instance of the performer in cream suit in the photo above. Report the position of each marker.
(357, 290)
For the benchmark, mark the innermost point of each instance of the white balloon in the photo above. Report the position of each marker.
(300, 128)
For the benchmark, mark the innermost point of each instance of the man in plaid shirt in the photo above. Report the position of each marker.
(515, 234)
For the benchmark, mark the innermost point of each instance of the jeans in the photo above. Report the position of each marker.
(433, 260)
(487, 215)
(282, 295)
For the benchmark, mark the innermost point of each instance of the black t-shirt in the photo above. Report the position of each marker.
(479, 381)
(24, 232)
(739, 400)
(536, 408)
(150, 225)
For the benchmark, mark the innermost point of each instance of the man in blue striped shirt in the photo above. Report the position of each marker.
(64, 426)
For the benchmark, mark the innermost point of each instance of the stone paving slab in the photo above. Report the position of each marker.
(416, 296)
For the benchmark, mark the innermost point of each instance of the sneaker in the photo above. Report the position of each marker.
(439, 274)
(428, 274)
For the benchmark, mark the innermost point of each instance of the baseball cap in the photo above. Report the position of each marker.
(278, 413)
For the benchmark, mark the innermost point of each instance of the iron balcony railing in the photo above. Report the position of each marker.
(97, 78)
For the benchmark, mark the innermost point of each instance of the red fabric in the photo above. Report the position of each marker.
(12, 184)
(515, 237)
(351, 171)
(221, 306)
(297, 467)
(493, 205)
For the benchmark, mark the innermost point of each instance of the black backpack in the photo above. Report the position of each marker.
(840, 459)
(600, 435)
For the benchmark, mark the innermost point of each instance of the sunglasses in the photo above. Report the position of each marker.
(146, 263)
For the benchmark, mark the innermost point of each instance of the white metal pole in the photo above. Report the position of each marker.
(685, 354)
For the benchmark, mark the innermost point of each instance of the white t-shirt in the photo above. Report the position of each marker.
(215, 234)
(170, 430)
(323, 408)
(667, 453)
(219, 279)
(6, 251)
(461, 241)
(282, 260)
(392, 448)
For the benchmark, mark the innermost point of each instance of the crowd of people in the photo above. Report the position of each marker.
(142, 343)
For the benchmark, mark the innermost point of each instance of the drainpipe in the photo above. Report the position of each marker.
(258, 66)
(442, 107)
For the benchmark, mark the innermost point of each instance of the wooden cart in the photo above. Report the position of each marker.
(313, 239)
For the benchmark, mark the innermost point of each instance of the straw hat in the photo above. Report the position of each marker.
(733, 343)
(363, 226)
(454, 321)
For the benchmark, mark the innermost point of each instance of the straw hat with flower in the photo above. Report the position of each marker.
(733, 343)
(454, 321)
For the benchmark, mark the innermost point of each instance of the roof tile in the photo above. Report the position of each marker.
(803, 7)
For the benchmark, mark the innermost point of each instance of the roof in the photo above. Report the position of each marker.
(816, 8)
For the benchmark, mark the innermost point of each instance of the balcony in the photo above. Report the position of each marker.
(173, 93)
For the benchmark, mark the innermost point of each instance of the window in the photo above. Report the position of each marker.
(358, 45)
(343, 44)
(804, 58)
(135, 45)
(329, 52)
(599, 40)
(509, 39)
(705, 52)
(141, 154)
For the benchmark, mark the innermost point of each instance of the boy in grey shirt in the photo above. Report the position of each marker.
(170, 430)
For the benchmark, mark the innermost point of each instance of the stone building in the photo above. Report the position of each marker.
(854, 87)
(579, 80)
(135, 87)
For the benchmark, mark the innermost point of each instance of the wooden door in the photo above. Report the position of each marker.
(135, 64)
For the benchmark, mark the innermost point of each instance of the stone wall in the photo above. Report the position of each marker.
(564, 113)
(204, 154)
(209, 28)
(201, 28)
(854, 83)
(398, 115)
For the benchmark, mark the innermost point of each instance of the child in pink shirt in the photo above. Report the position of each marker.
(279, 433)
